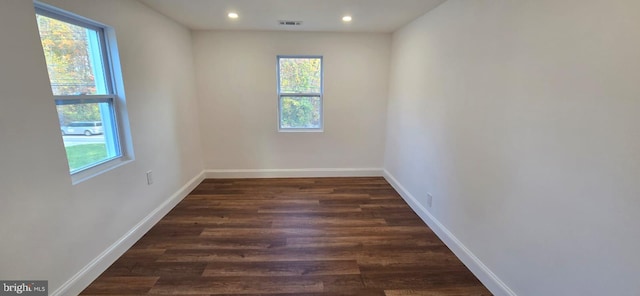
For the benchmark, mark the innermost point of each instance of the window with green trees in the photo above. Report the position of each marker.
(300, 89)
(81, 81)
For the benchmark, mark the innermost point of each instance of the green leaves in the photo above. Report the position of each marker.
(300, 112)
(300, 75)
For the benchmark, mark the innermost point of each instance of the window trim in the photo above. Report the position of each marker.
(114, 95)
(308, 95)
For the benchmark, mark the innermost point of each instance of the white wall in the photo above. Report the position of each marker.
(521, 118)
(236, 73)
(50, 229)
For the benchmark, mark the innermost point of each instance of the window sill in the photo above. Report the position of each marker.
(95, 171)
(301, 130)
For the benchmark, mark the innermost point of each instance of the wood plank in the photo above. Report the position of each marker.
(310, 221)
(457, 291)
(167, 269)
(427, 278)
(399, 241)
(121, 285)
(366, 256)
(197, 242)
(278, 268)
(236, 285)
(314, 231)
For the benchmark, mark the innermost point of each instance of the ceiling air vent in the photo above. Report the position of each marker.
(290, 23)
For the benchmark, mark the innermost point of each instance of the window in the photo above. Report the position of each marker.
(300, 88)
(81, 80)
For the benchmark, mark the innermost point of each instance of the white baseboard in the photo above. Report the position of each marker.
(479, 269)
(294, 173)
(91, 271)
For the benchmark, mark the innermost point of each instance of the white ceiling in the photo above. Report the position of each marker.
(316, 15)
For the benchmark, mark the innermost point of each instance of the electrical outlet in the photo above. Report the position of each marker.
(149, 177)
(429, 199)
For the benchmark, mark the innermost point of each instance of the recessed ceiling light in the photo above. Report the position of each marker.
(346, 18)
(233, 15)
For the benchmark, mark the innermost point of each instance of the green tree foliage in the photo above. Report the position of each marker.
(300, 112)
(66, 50)
(300, 76)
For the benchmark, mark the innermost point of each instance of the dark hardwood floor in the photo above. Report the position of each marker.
(309, 236)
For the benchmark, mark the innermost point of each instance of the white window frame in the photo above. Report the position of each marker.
(319, 95)
(120, 144)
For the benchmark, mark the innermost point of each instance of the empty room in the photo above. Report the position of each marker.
(320, 147)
